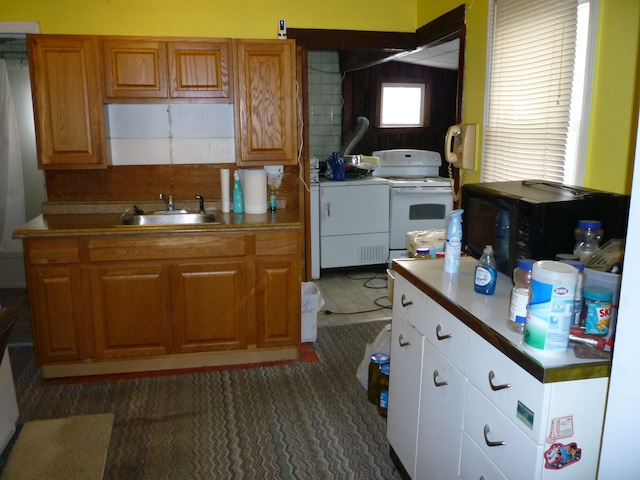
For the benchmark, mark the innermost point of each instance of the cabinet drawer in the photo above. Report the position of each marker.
(52, 252)
(448, 334)
(474, 464)
(277, 243)
(166, 247)
(518, 457)
(518, 395)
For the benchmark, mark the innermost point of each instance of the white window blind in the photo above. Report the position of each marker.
(529, 88)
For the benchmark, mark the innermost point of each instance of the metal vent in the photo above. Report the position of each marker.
(373, 254)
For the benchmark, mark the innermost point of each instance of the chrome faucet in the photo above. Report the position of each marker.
(168, 202)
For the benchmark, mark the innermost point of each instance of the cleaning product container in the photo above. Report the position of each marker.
(550, 311)
(312, 302)
(453, 243)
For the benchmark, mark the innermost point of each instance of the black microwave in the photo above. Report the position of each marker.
(535, 218)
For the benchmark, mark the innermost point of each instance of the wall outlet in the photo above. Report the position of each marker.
(282, 28)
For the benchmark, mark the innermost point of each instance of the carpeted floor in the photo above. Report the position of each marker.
(298, 421)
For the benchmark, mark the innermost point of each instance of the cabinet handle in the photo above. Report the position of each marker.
(435, 380)
(328, 209)
(404, 301)
(402, 341)
(489, 442)
(495, 388)
(441, 337)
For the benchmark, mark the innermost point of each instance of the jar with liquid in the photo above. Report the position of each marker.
(376, 361)
(383, 405)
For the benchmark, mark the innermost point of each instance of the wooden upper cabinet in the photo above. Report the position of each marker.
(265, 105)
(134, 68)
(199, 69)
(67, 97)
(149, 70)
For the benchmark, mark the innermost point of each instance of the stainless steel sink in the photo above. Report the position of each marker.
(164, 218)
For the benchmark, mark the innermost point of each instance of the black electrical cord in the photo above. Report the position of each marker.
(367, 279)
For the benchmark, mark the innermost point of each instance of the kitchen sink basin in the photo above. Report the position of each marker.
(163, 218)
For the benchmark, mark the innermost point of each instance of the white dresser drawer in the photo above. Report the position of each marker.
(448, 334)
(522, 398)
(518, 457)
(474, 464)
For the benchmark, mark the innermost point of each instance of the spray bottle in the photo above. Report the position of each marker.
(238, 196)
(454, 242)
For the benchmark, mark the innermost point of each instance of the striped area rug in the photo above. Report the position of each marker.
(299, 421)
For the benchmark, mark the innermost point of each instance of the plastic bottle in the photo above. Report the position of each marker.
(273, 202)
(238, 197)
(577, 303)
(453, 243)
(588, 236)
(520, 294)
(486, 273)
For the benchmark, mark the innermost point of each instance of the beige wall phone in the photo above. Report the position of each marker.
(460, 145)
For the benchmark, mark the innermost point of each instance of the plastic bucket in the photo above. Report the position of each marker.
(550, 310)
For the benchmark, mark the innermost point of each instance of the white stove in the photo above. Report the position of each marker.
(419, 198)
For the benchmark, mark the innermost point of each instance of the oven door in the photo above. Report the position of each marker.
(417, 208)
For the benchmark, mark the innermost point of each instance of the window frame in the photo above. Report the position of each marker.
(426, 102)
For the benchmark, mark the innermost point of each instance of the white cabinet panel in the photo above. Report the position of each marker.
(404, 391)
(440, 420)
(474, 464)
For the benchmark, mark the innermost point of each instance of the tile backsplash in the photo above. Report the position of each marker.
(325, 103)
(163, 134)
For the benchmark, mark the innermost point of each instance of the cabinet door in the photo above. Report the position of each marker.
(55, 296)
(67, 101)
(278, 301)
(200, 69)
(131, 310)
(440, 420)
(209, 306)
(134, 68)
(407, 346)
(353, 209)
(265, 102)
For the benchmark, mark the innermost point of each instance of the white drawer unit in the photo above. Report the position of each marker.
(487, 408)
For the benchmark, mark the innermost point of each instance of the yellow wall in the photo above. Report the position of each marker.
(240, 18)
(614, 105)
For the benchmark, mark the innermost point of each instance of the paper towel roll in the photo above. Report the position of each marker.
(224, 189)
(254, 186)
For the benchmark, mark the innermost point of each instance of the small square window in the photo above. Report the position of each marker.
(402, 104)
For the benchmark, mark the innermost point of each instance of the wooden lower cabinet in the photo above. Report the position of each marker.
(131, 310)
(209, 305)
(58, 316)
(136, 302)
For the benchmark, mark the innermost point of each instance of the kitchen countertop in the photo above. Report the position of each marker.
(79, 222)
(487, 316)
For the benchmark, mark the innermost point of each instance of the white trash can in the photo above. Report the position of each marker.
(312, 302)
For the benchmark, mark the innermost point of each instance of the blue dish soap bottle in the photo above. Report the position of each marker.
(238, 196)
(486, 273)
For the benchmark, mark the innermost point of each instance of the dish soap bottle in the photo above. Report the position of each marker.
(453, 243)
(486, 273)
(238, 197)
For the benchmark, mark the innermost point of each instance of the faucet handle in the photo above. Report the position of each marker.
(201, 198)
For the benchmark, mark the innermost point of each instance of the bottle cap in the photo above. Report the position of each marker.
(380, 358)
(589, 224)
(526, 263)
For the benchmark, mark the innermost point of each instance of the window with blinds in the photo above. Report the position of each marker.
(535, 90)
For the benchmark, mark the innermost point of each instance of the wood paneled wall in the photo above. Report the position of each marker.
(146, 182)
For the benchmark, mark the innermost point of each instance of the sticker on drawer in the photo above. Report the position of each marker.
(560, 455)
(561, 427)
(525, 414)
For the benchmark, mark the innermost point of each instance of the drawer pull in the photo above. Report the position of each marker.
(441, 337)
(402, 342)
(495, 388)
(404, 302)
(489, 442)
(435, 380)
